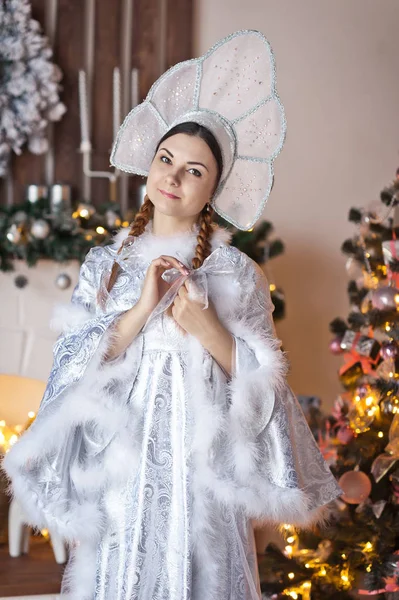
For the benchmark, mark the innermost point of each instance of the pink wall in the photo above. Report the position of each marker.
(337, 75)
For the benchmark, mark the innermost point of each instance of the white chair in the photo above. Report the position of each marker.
(20, 395)
(19, 533)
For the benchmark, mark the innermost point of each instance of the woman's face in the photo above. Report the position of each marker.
(182, 176)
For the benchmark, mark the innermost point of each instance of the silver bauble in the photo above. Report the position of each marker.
(385, 298)
(63, 281)
(20, 217)
(40, 229)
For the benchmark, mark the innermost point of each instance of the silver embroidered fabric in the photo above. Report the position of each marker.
(122, 457)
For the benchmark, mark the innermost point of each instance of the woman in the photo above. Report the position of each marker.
(167, 424)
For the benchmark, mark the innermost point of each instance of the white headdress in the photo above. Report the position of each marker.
(231, 90)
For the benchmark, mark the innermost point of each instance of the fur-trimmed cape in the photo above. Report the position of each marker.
(250, 450)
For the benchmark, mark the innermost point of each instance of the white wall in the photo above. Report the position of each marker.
(337, 75)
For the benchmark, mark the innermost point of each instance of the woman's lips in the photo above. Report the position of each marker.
(168, 195)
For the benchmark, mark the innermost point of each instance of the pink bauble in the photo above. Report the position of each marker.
(335, 346)
(345, 435)
(356, 486)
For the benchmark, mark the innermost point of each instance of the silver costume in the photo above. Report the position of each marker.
(154, 465)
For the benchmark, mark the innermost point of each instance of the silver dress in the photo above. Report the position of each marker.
(155, 465)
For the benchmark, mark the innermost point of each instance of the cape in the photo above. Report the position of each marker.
(154, 466)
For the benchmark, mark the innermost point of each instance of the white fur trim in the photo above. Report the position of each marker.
(89, 404)
(66, 317)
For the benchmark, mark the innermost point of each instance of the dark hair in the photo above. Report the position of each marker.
(194, 129)
(203, 248)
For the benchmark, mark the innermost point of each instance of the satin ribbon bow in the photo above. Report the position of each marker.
(212, 265)
(384, 461)
(352, 356)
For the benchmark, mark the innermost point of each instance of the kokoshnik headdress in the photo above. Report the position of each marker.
(230, 90)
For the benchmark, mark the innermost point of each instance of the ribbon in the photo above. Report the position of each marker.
(387, 459)
(212, 265)
(352, 356)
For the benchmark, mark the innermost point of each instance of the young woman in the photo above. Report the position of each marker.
(167, 425)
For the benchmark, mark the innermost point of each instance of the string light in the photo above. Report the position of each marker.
(380, 434)
(291, 575)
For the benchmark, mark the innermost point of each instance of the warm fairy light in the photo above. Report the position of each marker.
(387, 327)
(322, 572)
(343, 555)
(396, 298)
(307, 566)
(380, 434)
(294, 595)
(291, 575)
(368, 547)
(391, 374)
(291, 539)
(369, 400)
(84, 213)
(75, 214)
(368, 568)
(357, 398)
(88, 237)
(31, 414)
(12, 439)
(125, 223)
(272, 287)
(100, 229)
(307, 585)
(288, 550)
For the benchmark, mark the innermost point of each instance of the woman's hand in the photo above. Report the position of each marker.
(205, 325)
(154, 286)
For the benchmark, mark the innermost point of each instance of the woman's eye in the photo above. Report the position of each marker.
(167, 159)
(195, 172)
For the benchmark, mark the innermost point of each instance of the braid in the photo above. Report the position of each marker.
(203, 248)
(137, 228)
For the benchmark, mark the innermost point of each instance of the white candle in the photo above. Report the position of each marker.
(116, 100)
(135, 87)
(83, 113)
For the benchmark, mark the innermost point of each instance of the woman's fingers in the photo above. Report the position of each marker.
(168, 261)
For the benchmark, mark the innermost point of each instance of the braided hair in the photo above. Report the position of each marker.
(146, 212)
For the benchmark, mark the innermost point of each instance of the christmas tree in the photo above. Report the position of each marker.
(358, 551)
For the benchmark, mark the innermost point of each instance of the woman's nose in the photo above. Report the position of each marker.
(172, 178)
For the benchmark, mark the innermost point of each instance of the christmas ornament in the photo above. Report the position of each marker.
(40, 229)
(356, 486)
(361, 417)
(389, 350)
(335, 346)
(21, 281)
(20, 217)
(63, 281)
(349, 374)
(14, 234)
(385, 298)
(362, 344)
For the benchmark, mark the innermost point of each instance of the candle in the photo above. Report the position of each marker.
(85, 145)
(116, 100)
(135, 87)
